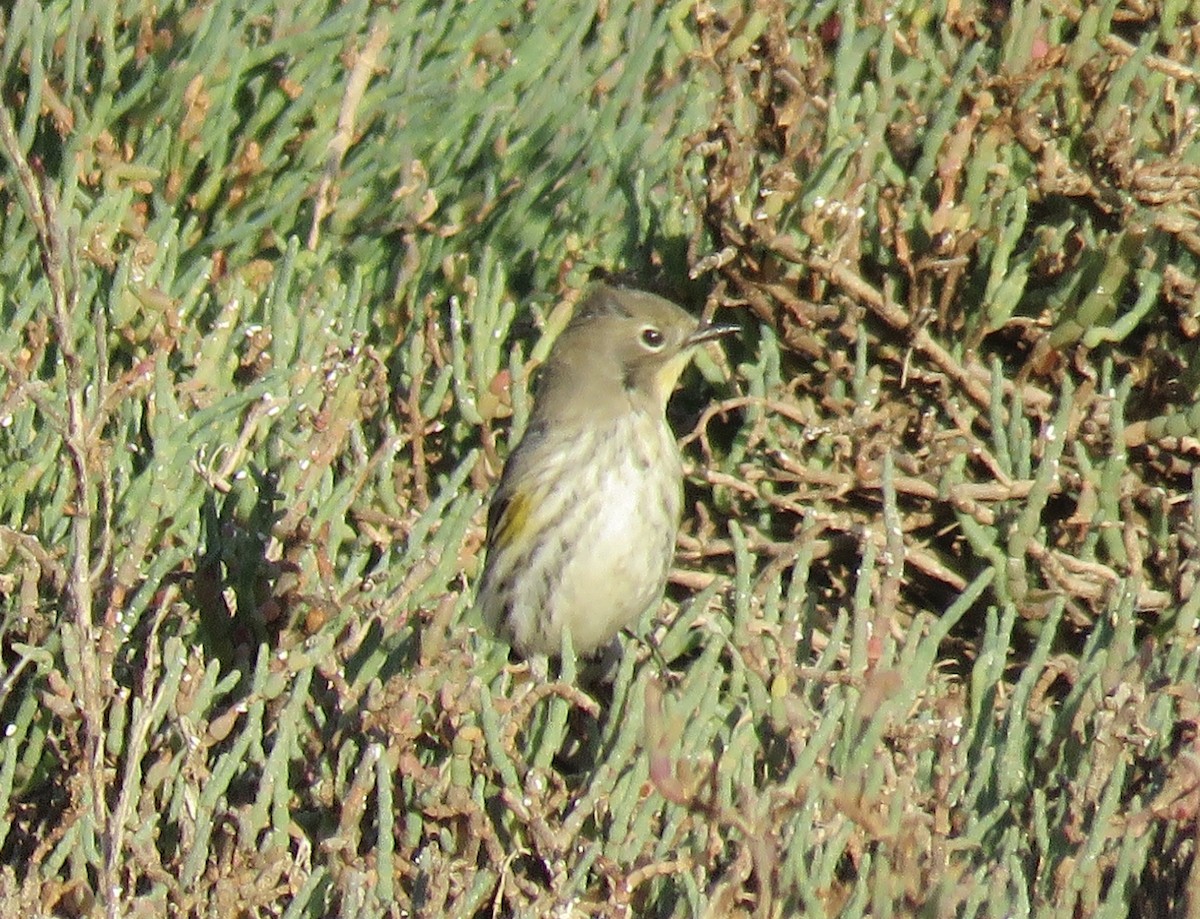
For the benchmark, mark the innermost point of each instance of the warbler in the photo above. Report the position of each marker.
(582, 526)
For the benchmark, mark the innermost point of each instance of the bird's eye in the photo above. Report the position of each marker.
(652, 338)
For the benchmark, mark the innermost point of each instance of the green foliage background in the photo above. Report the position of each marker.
(274, 277)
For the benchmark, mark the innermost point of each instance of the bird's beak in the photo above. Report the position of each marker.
(707, 331)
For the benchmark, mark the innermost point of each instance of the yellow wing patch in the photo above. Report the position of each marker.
(508, 521)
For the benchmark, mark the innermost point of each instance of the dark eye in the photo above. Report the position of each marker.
(652, 338)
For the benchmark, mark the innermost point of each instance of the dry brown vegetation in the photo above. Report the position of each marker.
(274, 282)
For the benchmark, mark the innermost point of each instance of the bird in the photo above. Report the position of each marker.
(581, 528)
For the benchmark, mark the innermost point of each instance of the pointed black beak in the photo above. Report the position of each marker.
(707, 331)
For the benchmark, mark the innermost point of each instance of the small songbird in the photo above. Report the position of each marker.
(581, 530)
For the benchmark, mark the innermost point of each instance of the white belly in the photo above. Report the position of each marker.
(612, 549)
